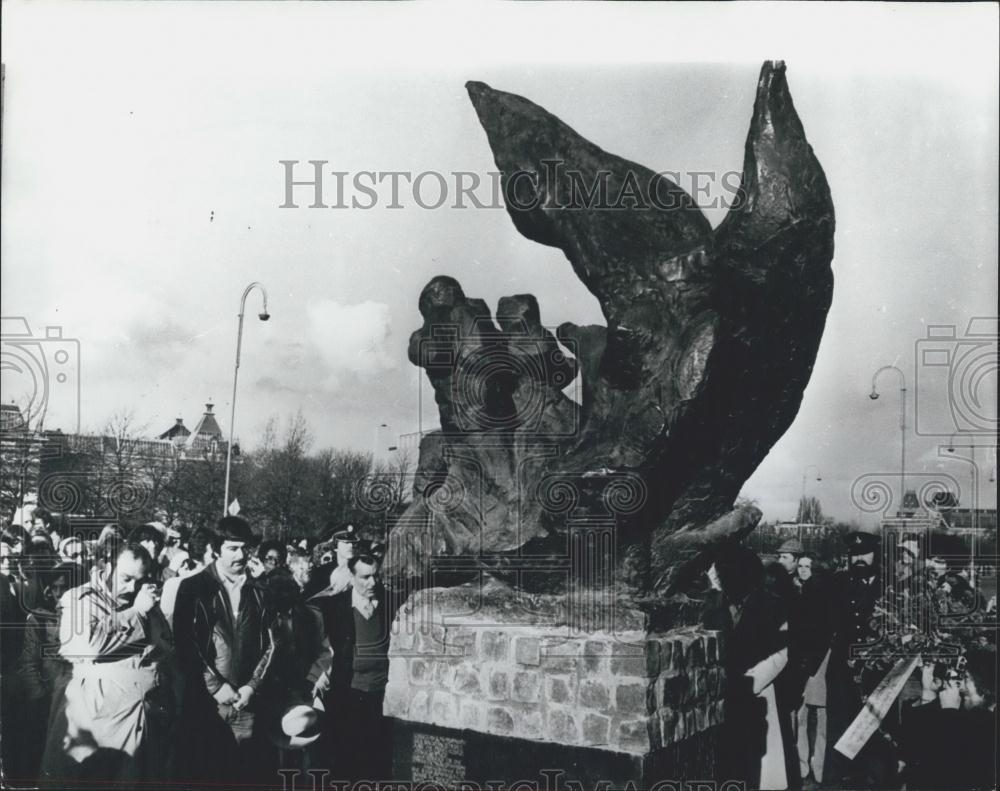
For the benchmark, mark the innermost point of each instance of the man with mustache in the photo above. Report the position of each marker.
(114, 712)
(224, 650)
(855, 592)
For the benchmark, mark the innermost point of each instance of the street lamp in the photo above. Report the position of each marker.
(805, 476)
(902, 423)
(376, 445)
(263, 316)
(972, 478)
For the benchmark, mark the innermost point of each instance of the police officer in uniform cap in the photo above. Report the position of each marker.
(335, 577)
(855, 592)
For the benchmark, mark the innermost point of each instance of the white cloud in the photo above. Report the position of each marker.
(350, 339)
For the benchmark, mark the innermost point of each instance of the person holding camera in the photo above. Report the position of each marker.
(117, 703)
(949, 739)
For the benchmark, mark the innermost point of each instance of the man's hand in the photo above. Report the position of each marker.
(255, 567)
(927, 678)
(244, 696)
(950, 697)
(146, 599)
(226, 695)
(322, 685)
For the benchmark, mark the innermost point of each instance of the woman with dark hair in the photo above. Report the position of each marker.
(810, 632)
(739, 606)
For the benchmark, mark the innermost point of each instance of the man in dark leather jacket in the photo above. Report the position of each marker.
(225, 649)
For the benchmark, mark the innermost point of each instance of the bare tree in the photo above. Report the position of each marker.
(20, 451)
(283, 483)
(810, 511)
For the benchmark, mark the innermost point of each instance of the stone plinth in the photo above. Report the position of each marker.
(483, 663)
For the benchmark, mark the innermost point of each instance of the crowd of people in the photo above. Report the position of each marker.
(210, 658)
(806, 647)
(215, 658)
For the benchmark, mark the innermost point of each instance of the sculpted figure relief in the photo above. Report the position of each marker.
(710, 339)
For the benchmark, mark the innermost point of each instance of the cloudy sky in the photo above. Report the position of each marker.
(141, 192)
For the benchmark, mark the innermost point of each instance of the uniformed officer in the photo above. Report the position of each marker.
(855, 593)
(114, 721)
(337, 574)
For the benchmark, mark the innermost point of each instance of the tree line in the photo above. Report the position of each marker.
(283, 486)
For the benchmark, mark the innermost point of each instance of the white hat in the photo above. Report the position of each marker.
(300, 726)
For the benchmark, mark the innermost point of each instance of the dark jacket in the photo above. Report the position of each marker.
(809, 625)
(302, 655)
(41, 664)
(12, 618)
(751, 632)
(852, 605)
(949, 749)
(215, 646)
(337, 613)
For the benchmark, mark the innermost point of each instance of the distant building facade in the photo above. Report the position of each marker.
(77, 473)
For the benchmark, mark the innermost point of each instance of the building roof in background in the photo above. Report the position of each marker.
(207, 431)
(178, 430)
(10, 417)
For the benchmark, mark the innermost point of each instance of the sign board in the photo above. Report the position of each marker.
(875, 708)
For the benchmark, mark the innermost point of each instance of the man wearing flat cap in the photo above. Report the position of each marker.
(855, 592)
(789, 686)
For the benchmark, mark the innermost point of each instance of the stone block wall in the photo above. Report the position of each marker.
(631, 692)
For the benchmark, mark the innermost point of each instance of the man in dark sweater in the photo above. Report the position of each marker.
(357, 623)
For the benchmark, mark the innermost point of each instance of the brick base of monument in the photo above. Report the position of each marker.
(486, 686)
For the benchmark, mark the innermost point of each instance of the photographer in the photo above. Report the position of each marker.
(949, 741)
(117, 703)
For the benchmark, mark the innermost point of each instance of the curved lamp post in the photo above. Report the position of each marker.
(264, 316)
(874, 394)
